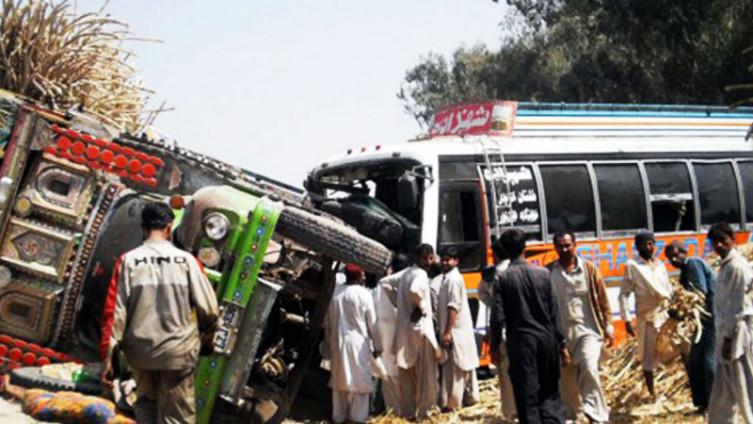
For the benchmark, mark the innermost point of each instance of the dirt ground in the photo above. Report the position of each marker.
(487, 412)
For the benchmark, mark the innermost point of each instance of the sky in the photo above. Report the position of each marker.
(278, 86)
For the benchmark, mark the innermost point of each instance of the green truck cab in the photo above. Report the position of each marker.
(71, 191)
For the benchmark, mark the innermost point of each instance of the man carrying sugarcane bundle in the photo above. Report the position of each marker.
(586, 321)
(647, 278)
(696, 275)
(732, 391)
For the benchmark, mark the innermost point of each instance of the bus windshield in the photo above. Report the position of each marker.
(381, 199)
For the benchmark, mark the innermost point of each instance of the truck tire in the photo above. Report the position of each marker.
(32, 378)
(333, 239)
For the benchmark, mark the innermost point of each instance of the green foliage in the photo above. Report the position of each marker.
(634, 51)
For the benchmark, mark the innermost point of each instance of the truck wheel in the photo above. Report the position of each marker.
(32, 378)
(333, 239)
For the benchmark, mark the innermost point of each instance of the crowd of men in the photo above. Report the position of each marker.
(549, 327)
(414, 332)
(547, 330)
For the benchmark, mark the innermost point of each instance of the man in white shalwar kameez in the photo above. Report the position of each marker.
(647, 278)
(387, 320)
(732, 391)
(486, 295)
(459, 386)
(351, 331)
(416, 347)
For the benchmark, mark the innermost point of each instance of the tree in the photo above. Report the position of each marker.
(628, 51)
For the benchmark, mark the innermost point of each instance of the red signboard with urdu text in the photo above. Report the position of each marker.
(492, 118)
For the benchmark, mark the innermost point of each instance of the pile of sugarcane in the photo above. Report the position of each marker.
(622, 372)
(67, 60)
(622, 379)
(684, 327)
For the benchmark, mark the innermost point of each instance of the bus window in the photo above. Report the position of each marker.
(517, 199)
(717, 191)
(569, 199)
(460, 223)
(621, 195)
(671, 196)
(746, 176)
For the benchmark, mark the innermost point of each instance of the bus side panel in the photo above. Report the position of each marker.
(611, 257)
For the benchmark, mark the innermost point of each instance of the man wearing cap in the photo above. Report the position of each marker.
(459, 386)
(696, 275)
(732, 390)
(646, 277)
(353, 340)
(149, 314)
(416, 348)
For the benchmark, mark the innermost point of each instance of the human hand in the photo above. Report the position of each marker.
(206, 343)
(447, 339)
(608, 340)
(565, 354)
(630, 329)
(105, 376)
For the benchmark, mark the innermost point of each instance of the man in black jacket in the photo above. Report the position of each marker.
(525, 308)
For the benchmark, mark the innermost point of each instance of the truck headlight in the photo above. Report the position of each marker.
(216, 226)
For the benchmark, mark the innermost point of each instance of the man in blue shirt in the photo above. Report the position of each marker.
(696, 274)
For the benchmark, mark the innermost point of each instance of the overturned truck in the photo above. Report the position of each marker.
(71, 192)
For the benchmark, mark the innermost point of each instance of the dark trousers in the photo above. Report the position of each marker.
(701, 365)
(534, 373)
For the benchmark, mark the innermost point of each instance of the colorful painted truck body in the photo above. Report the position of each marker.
(603, 171)
(71, 191)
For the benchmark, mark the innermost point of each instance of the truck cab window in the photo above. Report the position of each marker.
(717, 192)
(460, 223)
(671, 196)
(569, 199)
(621, 196)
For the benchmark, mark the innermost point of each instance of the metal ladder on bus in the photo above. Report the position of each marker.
(496, 174)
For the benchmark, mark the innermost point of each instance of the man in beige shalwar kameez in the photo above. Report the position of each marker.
(732, 391)
(586, 321)
(416, 347)
(647, 278)
(459, 386)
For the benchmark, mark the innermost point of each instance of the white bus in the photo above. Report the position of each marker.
(604, 171)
